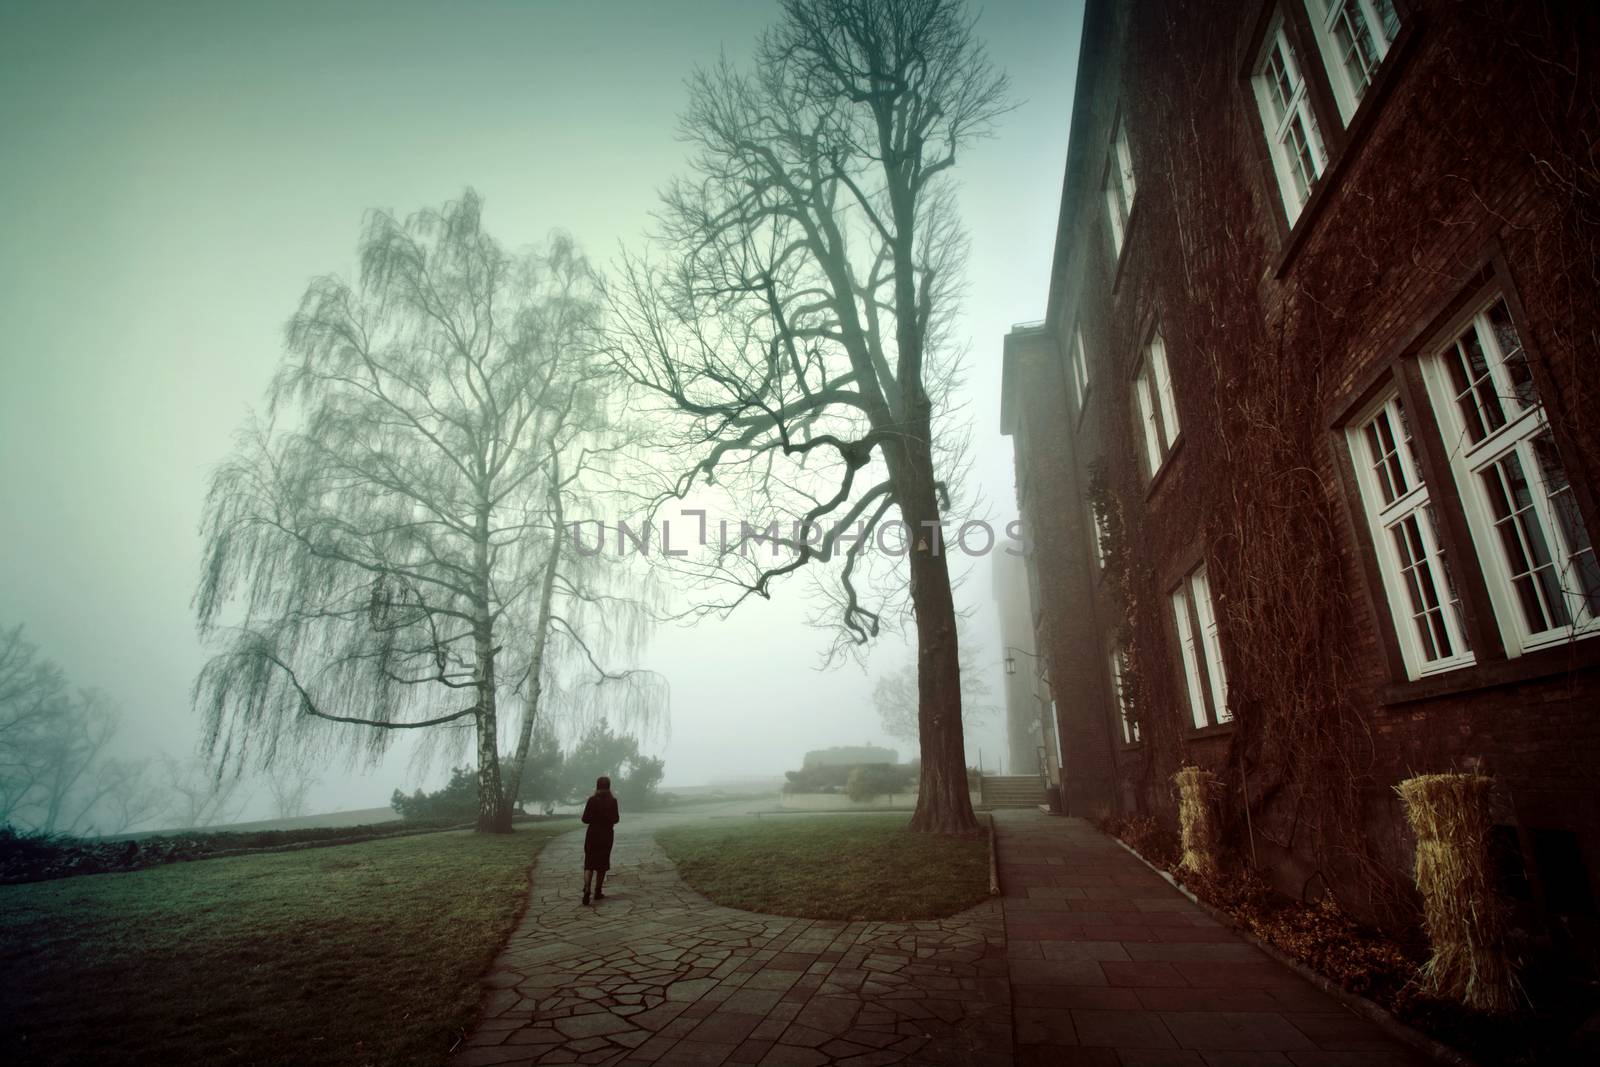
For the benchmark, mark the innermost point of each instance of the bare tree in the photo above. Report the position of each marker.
(800, 326)
(390, 551)
(33, 692)
(68, 754)
(894, 695)
(54, 772)
(202, 795)
(289, 784)
(129, 798)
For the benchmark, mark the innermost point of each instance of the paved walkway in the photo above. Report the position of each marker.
(1089, 958)
(656, 974)
(1110, 965)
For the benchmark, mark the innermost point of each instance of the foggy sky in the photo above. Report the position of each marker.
(173, 174)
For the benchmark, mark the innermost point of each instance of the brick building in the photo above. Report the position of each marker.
(1306, 444)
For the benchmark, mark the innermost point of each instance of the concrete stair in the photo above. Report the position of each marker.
(1013, 790)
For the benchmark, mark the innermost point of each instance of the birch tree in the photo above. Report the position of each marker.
(381, 551)
(799, 323)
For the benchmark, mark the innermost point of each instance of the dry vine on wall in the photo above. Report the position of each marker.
(1261, 358)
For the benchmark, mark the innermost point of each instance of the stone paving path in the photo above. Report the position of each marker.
(656, 974)
(1110, 965)
(1088, 958)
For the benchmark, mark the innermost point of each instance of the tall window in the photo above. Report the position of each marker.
(1119, 185)
(1354, 36)
(1416, 574)
(1080, 371)
(1538, 559)
(1158, 407)
(1119, 696)
(1196, 622)
(1298, 154)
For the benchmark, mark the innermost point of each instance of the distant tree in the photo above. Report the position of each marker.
(801, 328)
(600, 751)
(849, 755)
(541, 772)
(394, 548)
(55, 772)
(895, 696)
(131, 797)
(202, 795)
(457, 800)
(640, 780)
(290, 786)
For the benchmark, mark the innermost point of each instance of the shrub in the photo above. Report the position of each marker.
(876, 780)
(848, 756)
(457, 800)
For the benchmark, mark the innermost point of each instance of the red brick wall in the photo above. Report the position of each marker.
(1461, 157)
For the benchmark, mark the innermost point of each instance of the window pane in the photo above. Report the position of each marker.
(1513, 358)
(1124, 163)
(1581, 580)
(1080, 369)
(1212, 644)
(1163, 381)
(1417, 577)
(1453, 598)
(1302, 168)
(1191, 665)
(1357, 51)
(1388, 18)
(1280, 88)
(1522, 539)
(1387, 468)
(1147, 416)
(1476, 395)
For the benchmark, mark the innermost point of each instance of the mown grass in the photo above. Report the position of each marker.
(831, 867)
(356, 954)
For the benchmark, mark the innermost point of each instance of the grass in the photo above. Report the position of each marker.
(831, 867)
(357, 954)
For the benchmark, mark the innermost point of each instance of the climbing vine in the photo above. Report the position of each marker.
(1302, 768)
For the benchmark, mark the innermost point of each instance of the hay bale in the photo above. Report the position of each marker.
(1462, 911)
(1197, 821)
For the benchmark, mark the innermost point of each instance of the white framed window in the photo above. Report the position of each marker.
(1298, 154)
(1119, 696)
(1119, 186)
(1354, 36)
(1080, 372)
(1158, 407)
(1535, 550)
(1098, 533)
(1205, 679)
(1424, 604)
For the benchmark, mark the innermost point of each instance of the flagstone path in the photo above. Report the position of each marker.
(1088, 958)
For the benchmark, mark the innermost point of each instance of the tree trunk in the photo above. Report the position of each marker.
(494, 813)
(943, 804)
(513, 785)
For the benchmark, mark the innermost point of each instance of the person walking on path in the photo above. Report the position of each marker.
(601, 815)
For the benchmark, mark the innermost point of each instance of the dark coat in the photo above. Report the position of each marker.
(600, 812)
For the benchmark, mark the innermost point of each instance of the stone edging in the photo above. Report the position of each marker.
(1367, 1009)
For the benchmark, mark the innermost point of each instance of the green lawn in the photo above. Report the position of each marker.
(831, 866)
(356, 954)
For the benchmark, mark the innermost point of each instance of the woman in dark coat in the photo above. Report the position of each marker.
(600, 813)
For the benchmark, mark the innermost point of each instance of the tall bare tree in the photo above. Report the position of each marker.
(388, 552)
(801, 321)
(894, 695)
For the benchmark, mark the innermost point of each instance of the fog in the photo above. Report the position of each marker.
(174, 174)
